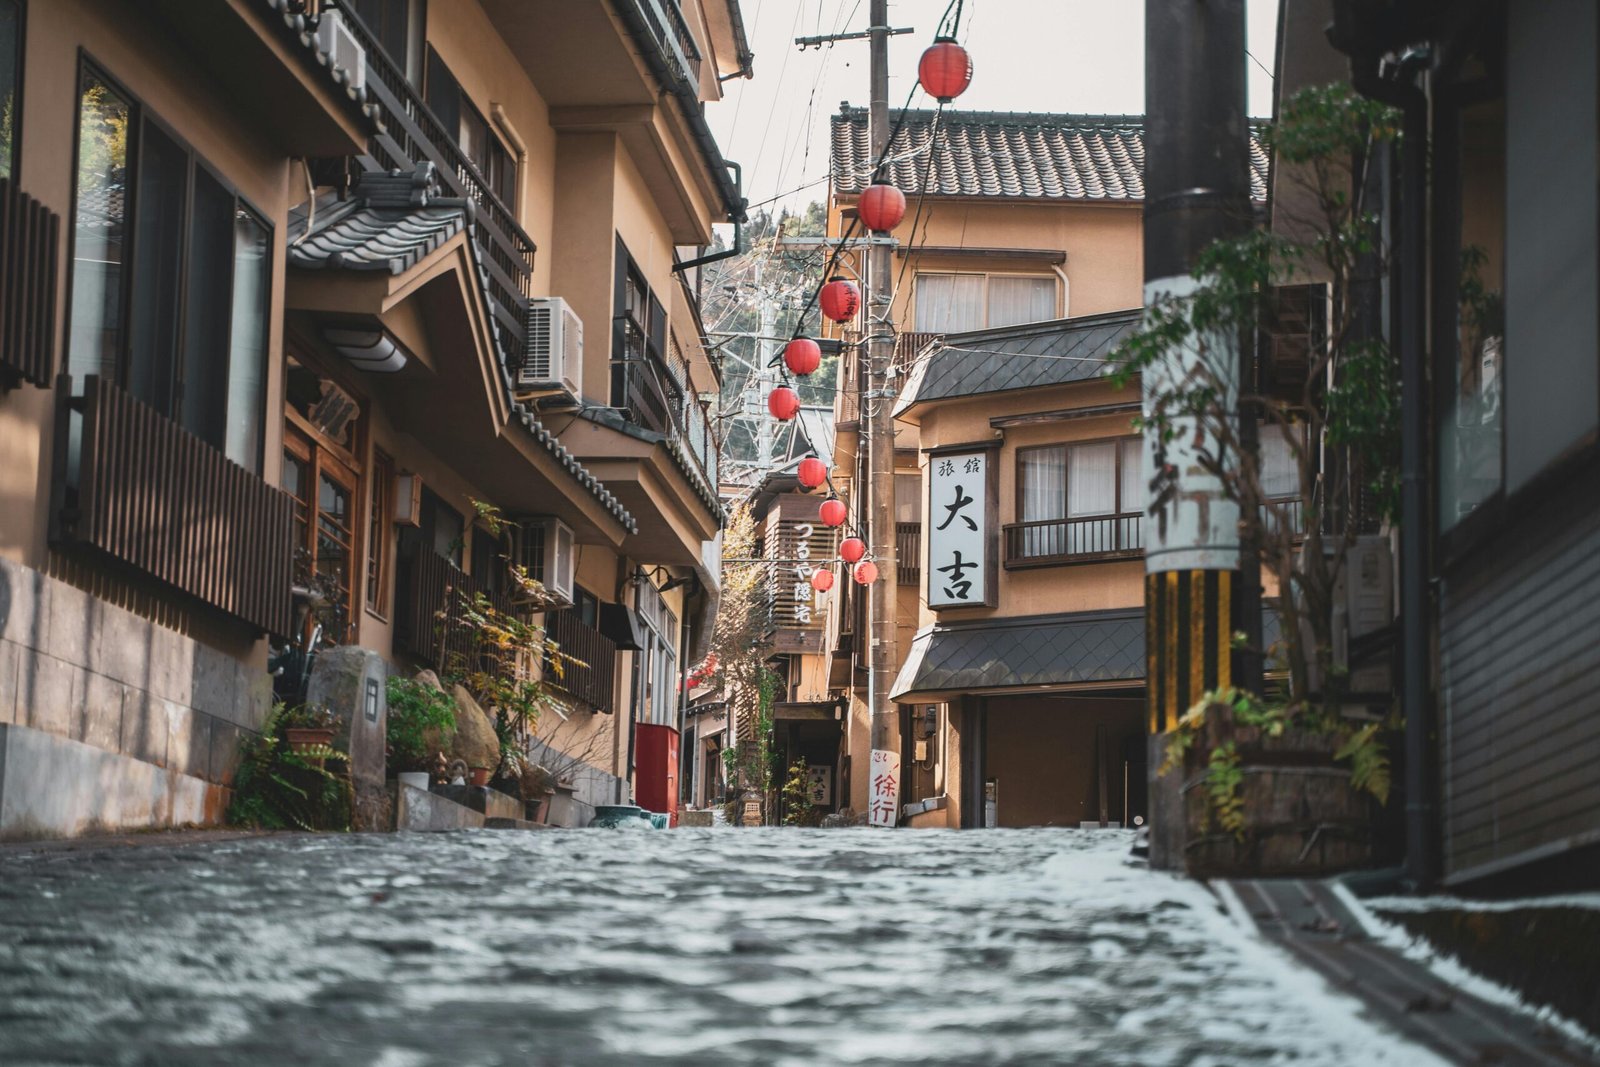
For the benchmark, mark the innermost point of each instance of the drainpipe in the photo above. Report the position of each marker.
(1415, 519)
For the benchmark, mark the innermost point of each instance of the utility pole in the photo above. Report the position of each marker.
(1196, 191)
(877, 420)
(761, 377)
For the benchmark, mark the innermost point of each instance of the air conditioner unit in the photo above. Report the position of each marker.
(545, 548)
(343, 49)
(553, 354)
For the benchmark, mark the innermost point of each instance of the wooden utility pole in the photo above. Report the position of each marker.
(877, 422)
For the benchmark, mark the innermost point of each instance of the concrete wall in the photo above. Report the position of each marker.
(76, 668)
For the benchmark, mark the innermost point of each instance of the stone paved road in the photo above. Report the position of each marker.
(694, 946)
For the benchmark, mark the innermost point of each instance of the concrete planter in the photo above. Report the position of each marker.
(1302, 816)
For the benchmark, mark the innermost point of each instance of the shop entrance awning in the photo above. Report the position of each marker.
(1085, 650)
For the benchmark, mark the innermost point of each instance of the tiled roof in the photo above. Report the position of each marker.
(1011, 154)
(1016, 357)
(304, 29)
(1031, 651)
(390, 224)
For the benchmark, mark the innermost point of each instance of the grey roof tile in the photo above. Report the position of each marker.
(1026, 652)
(1016, 357)
(1011, 154)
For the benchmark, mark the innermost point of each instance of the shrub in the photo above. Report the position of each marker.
(422, 720)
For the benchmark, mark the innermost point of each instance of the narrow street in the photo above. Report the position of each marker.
(698, 946)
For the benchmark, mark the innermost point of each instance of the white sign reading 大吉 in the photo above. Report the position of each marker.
(956, 524)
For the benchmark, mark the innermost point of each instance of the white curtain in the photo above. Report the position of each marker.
(1092, 480)
(908, 498)
(1042, 477)
(949, 303)
(1017, 300)
(1130, 534)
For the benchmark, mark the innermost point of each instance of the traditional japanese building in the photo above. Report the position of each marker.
(295, 296)
(1020, 625)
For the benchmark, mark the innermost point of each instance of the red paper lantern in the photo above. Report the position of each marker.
(802, 356)
(866, 572)
(851, 549)
(813, 472)
(945, 69)
(881, 207)
(833, 512)
(822, 580)
(784, 403)
(840, 300)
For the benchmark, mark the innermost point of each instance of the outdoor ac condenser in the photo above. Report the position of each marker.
(553, 358)
(545, 548)
(342, 48)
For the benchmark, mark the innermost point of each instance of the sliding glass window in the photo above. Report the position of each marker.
(184, 329)
(10, 84)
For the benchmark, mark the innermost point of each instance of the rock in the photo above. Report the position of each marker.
(475, 740)
(429, 679)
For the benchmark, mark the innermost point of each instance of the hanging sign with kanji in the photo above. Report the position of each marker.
(957, 527)
(883, 788)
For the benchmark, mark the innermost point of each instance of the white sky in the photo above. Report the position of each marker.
(1083, 56)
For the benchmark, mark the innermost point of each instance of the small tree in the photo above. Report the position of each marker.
(1345, 399)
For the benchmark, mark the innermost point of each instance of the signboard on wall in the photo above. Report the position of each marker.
(959, 526)
(883, 788)
(799, 545)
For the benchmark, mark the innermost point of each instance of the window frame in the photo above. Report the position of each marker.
(380, 533)
(139, 115)
(1118, 517)
(1053, 279)
(319, 454)
(465, 109)
(17, 110)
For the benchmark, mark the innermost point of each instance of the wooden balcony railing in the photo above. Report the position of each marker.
(146, 491)
(906, 347)
(411, 135)
(908, 552)
(657, 396)
(29, 239)
(672, 35)
(1035, 544)
(432, 597)
(593, 678)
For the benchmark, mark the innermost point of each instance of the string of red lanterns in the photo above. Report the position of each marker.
(945, 69)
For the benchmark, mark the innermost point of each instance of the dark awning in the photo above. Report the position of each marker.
(1087, 649)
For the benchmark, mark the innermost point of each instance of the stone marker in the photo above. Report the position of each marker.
(351, 682)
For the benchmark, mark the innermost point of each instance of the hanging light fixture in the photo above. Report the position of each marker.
(813, 472)
(833, 512)
(802, 356)
(945, 69)
(866, 572)
(851, 549)
(881, 207)
(822, 580)
(840, 299)
(784, 403)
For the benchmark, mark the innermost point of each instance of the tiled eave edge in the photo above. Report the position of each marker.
(685, 462)
(305, 30)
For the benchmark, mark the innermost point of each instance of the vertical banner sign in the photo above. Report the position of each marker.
(1196, 527)
(883, 790)
(956, 525)
(804, 606)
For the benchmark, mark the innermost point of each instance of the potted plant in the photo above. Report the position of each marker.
(308, 729)
(422, 719)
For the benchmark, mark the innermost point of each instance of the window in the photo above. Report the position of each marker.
(908, 498)
(641, 380)
(440, 528)
(956, 303)
(658, 661)
(397, 26)
(472, 131)
(489, 561)
(380, 531)
(1078, 500)
(184, 328)
(321, 473)
(10, 84)
(1280, 476)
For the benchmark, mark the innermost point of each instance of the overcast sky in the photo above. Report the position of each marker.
(1083, 56)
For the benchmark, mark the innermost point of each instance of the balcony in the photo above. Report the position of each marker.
(1085, 540)
(678, 50)
(28, 243)
(432, 598)
(656, 393)
(411, 135)
(908, 552)
(143, 490)
(588, 671)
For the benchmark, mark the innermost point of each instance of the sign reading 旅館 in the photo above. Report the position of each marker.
(956, 526)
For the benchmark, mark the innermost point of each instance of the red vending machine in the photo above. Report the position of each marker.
(656, 755)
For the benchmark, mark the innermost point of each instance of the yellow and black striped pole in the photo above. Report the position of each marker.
(1188, 629)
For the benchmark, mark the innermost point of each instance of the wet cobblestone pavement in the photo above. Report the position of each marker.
(693, 946)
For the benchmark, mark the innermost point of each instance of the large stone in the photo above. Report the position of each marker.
(475, 740)
(351, 682)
